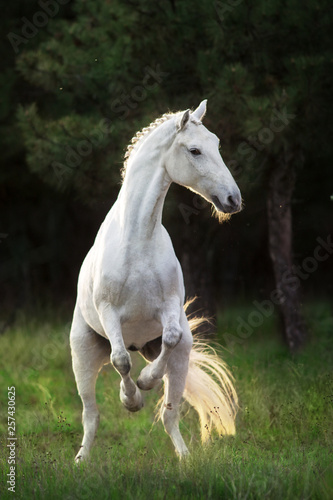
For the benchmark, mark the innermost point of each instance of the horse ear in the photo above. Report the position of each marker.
(183, 120)
(200, 112)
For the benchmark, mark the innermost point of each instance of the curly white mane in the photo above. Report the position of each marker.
(141, 135)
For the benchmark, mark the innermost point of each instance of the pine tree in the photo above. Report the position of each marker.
(265, 67)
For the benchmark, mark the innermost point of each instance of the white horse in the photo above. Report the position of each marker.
(131, 290)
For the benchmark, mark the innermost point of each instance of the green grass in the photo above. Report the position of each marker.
(284, 443)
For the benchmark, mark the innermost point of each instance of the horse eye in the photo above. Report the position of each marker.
(195, 151)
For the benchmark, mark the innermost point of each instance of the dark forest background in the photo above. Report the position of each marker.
(79, 79)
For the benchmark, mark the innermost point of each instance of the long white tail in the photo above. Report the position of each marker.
(209, 387)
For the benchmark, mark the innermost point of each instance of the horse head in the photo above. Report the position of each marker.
(194, 161)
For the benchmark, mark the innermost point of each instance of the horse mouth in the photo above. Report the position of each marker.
(218, 205)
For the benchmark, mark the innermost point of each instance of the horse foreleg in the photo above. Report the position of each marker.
(153, 373)
(130, 395)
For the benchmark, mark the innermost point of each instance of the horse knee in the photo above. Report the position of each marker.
(172, 335)
(183, 347)
(122, 362)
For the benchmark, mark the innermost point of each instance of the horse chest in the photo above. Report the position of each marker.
(138, 292)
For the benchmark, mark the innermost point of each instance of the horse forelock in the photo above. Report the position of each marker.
(141, 135)
(195, 120)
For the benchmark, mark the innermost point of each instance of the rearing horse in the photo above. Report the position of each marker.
(131, 290)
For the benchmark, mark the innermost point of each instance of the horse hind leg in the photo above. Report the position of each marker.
(176, 373)
(89, 353)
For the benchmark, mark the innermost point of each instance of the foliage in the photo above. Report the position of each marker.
(282, 448)
(266, 70)
(79, 89)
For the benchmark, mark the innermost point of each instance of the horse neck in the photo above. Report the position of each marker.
(141, 198)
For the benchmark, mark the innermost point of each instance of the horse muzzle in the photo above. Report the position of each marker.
(231, 205)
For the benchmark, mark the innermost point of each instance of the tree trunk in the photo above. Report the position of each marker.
(280, 189)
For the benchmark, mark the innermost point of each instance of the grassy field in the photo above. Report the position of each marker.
(284, 443)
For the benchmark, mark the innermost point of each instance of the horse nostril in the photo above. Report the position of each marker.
(234, 201)
(231, 200)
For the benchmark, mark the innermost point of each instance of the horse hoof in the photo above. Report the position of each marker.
(133, 408)
(79, 459)
(145, 384)
(133, 403)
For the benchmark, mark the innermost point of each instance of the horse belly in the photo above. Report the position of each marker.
(137, 333)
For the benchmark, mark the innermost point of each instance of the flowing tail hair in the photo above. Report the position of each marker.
(209, 386)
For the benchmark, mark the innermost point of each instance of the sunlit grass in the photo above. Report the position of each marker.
(282, 450)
